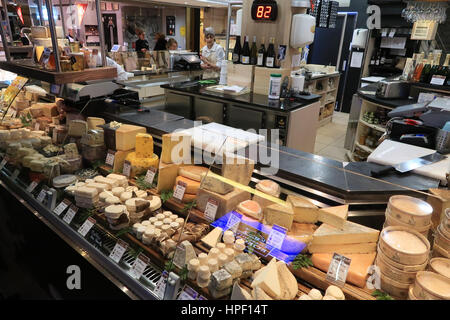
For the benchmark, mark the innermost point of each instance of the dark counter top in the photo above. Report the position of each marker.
(348, 181)
(392, 103)
(252, 99)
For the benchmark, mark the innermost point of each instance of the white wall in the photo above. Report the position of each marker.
(180, 21)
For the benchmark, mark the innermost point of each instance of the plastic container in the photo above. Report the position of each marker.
(275, 86)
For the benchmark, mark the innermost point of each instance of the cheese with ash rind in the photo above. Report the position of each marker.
(183, 254)
(239, 293)
(212, 238)
(221, 280)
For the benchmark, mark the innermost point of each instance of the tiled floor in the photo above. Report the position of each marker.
(330, 138)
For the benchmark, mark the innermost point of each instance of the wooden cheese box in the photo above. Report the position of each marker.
(394, 273)
(262, 78)
(391, 222)
(441, 266)
(398, 290)
(441, 240)
(240, 75)
(439, 252)
(440, 201)
(410, 211)
(411, 295)
(431, 286)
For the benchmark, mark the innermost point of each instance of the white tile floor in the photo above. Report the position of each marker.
(330, 138)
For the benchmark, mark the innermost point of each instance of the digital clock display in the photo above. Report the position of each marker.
(264, 10)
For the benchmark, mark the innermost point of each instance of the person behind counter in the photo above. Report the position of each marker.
(172, 44)
(212, 55)
(161, 42)
(141, 43)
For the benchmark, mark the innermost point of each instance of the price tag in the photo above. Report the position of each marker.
(437, 80)
(54, 135)
(202, 298)
(110, 158)
(139, 266)
(36, 126)
(188, 294)
(233, 221)
(127, 168)
(86, 226)
(383, 32)
(338, 269)
(68, 217)
(211, 209)
(3, 163)
(374, 279)
(61, 207)
(276, 236)
(392, 33)
(41, 196)
(15, 174)
(32, 186)
(161, 285)
(150, 176)
(179, 190)
(118, 251)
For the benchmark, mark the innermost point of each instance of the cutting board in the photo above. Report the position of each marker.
(393, 152)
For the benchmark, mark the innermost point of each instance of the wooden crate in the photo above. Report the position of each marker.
(262, 78)
(440, 201)
(240, 75)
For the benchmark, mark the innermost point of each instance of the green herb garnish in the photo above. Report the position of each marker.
(166, 195)
(142, 184)
(184, 273)
(169, 266)
(301, 261)
(123, 231)
(188, 206)
(136, 253)
(381, 295)
(97, 164)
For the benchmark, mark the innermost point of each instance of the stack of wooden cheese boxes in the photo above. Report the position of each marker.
(441, 246)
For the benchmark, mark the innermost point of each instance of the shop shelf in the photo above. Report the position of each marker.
(363, 147)
(373, 126)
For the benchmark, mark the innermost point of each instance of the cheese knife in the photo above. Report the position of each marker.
(409, 165)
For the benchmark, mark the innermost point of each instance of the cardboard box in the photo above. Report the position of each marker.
(262, 78)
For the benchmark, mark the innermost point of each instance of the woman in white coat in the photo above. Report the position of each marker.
(212, 55)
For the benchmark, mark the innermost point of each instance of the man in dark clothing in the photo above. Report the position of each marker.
(142, 44)
(161, 42)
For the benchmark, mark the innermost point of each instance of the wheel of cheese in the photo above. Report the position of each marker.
(222, 258)
(409, 210)
(140, 231)
(192, 172)
(124, 196)
(392, 222)
(193, 265)
(155, 203)
(173, 217)
(203, 258)
(441, 266)
(167, 221)
(229, 241)
(146, 240)
(399, 266)
(268, 187)
(398, 290)
(251, 209)
(213, 265)
(152, 220)
(137, 204)
(158, 224)
(131, 189)
(335, 292)
(136, 216)
(439, 252)
(431, 286)
(192, 186)
(112, 200)
(175, 226)
(160, 217)
(141, 193)
(221, 247)
(135, 227)
(167, 229)
(315, 294)
(187, 197)
(149, 232)
(229, 253)
(404, 245)
(180, 221)
(393, 272)
(114, 211)
(146, 223)
(167, 214)
(117, 191)
(214, 253)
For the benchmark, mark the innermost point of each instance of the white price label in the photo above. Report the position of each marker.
(338, 269)
(139, 266)
(161, 285)
(276, 236)
(32, 186)
(211, 209)
(437, 80)
(54, 135)
(3, 163)
(36, 126)
(179, 190)
(233, 221)
(68, 217)
(110, 158)
(15, 174)
(41, 196)
(118, 251)
(61, 207)
(127, 168)
(188, 294)
(392, 33)
(150, 176)
(86, 226)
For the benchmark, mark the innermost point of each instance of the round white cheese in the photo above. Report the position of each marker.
(221, 247)
(114, 211)
(335, 292)
(155, 203)
(145, 223)
(175, 226)
(167, 221)
(131, 188)
(193, 265)
(117, 191)
(203, 258)
(126, 196)
(160, 217)
(104, 195)
(222, 258)
(213, 265)
(304, 297)
(203, 271)
(173, 217)
(180, 221)
(112, 200)
(158, 224)
(329, 298)
(229, 253)
(140, 231)
(167, 213)
(135, 227)
(315, 294)
(152, 220)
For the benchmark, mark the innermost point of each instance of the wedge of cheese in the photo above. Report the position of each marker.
(334, 216)
(357, 273)
(288, 283)
(364, 247)
(193, 172)
(176, 148)
(259, 294)
(280, 215)
(192, 186)
(93, 122)
(227, 202)
(268, 280)
(304, 210)
(126, 136)
(212, 238)
(119, 159)
(350, 233)
(238, 169)
(239, 293)
(167, 173)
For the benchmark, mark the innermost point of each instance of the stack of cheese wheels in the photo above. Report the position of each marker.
(137, 208)
(401, 253)
(441, 266)
(430, 286)
(409, 212)
(268, 187)
(191, 176)
(117, 216)
(441, 246)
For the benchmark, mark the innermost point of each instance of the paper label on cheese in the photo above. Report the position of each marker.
(276, 236)
(68, 217)
(110, 158)
(211, 209)
(127, 168)
(41, 196)
(86, 226)
(338, 269)
(32, 186)
(150, 176)
(61, 207)
(139, 266)
(374, 279)
(118, 251)
(15, 174)
(161, 285)
(179, 190)
(233, 221)
(188, 294)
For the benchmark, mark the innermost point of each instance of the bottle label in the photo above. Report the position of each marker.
(253, 60)
(235, 57)
(269, 62)
(245, 59)
(260, 59)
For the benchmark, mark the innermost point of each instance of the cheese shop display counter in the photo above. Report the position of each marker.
(209, 212)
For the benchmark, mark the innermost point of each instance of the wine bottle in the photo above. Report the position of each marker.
(253, 52)
(424, 77)
(383, 58)
(237, 50)
(446, 71)
(377, 60)
(270, 58)
(373, 58)
(418, 69)
(245, 56)
(261, 54)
